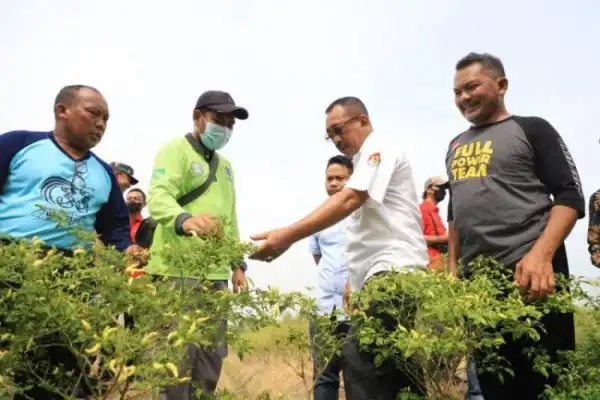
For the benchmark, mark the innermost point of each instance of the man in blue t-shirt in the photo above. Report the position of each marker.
(47, 173)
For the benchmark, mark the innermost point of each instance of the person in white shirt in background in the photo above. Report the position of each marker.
(383, 236)
(327, 248)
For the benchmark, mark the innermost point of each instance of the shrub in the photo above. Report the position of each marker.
(450, 319)
(49, 300)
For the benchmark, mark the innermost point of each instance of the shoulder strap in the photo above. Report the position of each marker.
(213, 165)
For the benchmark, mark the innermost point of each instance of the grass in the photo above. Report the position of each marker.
(270, 371)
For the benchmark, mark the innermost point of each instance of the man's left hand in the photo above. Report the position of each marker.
(238, 280)
(536, 274)
(275, 243)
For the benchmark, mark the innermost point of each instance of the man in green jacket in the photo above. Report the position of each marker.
(182, 165)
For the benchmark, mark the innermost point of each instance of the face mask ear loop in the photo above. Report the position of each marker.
(205, 121)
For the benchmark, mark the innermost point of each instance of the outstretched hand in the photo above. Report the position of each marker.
(274, 244)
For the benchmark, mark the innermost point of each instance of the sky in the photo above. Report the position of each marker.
(285, 62)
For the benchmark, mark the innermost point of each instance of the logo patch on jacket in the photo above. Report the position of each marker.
(197, 168)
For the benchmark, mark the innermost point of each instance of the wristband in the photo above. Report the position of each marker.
(181, 218)
(242, 265)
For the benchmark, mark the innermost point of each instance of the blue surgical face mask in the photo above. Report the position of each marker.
(215, 136)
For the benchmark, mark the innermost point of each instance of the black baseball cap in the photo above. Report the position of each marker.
(126, 169)
(221, 102)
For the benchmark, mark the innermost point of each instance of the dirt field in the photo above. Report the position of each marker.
(255, 380)
(269, 372)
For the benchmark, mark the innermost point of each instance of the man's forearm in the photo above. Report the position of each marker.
(453, 248)
(432, 240)
(335, 209)
(560, 223)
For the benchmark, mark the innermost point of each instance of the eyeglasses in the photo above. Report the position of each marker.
(338, 130)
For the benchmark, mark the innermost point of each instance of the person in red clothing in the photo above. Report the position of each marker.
(136, 201)
(434, 230)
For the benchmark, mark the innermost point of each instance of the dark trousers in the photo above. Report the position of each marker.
(202, 364)
(396, 374)
(527, 384)
(326, 378)
(50, 354)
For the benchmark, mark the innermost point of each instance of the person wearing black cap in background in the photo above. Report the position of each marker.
(124, 174)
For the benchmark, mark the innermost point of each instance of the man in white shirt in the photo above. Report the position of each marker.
(383, 234)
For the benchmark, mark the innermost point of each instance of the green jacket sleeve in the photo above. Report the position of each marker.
(235, 232)
(234, 222)
(165, 188)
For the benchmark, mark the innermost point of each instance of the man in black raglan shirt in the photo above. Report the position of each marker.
(502, 172)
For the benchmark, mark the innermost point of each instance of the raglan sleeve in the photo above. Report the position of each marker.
(112, 221)
(166, 188)
(372, 173)
(593, 236)
(554, 164)
(10, 144)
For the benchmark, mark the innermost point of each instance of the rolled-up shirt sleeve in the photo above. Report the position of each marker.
(372, 173)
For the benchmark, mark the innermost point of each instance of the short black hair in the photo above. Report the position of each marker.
(491, 63)
(68, 93)
(349, 102)
(343, 161)
(140, 191)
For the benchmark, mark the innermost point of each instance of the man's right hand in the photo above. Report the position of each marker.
(202, 225)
